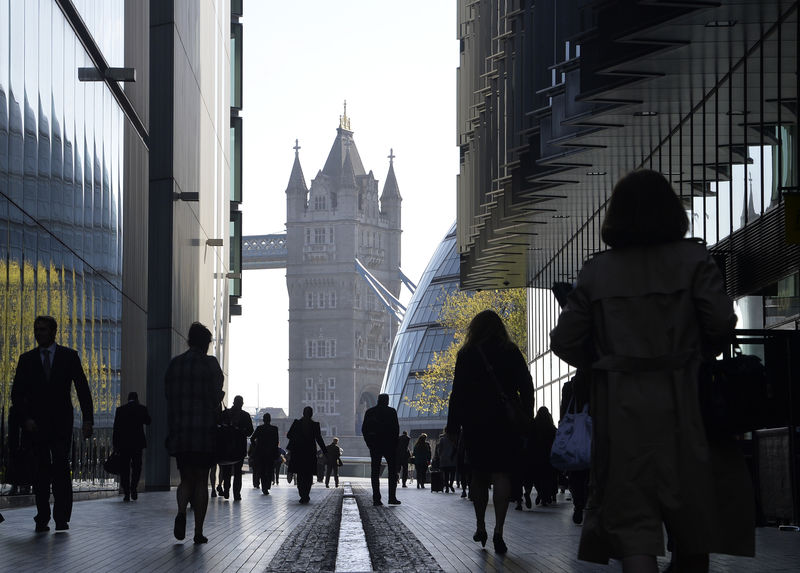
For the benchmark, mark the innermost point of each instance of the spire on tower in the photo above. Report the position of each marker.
(344, 121)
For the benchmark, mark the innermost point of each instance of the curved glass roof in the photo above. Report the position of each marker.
(420, 334)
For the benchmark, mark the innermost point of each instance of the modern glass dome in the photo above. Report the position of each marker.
(420, 335)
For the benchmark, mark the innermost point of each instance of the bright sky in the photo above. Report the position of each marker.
(395, 64)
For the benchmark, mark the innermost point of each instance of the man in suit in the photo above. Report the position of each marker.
(242, 421)
(401, 457)
(265, 449)
(41, 396)
(303, 434)
(332, 462)
(128, 439)
(380, 430)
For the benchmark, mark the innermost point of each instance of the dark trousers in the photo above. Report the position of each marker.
(264, 471)
(52, 467)
(578, 486)
(401, 472)
(304, 481)
(375, 457)
(225, 477)
(131, 470)
(277, 466)
(332, 469)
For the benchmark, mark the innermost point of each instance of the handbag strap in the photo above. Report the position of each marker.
(492, 375)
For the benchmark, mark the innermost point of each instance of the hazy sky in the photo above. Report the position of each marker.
(395, 64)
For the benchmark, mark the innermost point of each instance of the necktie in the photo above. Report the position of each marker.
(46, 363)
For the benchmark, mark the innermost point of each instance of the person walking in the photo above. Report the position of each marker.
(193, 390)
(276, 464)
(129, 440)
(303, 434)
(380, 429)
(446, 455)
(545, 476)
(41, 398)
(574, 396)
(422, 459)
(643, 316)
(402, 457)
(332, 462)
(265, 449)
(488, 359)
(241, 420)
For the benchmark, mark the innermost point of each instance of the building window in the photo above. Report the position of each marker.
(309, 300)
(308, 236)
(309, 382)
(372, 351)
(332, 299)
(331, 383)
(321, 348)
(320, 203)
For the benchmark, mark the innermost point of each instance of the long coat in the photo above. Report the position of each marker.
(193, 389)
(49, 403)
(129, 422)
(491, 444)
(302, 435)
(642, 318)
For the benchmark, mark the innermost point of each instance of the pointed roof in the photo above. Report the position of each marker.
(390, 188)
(297, 181)
(348, 171)
(341, 146)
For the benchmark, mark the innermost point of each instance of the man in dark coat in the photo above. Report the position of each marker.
(129, 441)
(380, 430)
(41, 396)
(303, 434)
(401, 457)
(265, 449)
(242, 421)
(332, 462)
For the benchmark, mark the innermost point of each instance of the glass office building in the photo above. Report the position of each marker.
(61, 186)
(420, 336)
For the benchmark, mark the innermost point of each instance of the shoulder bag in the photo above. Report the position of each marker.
(572, 447)
(510, 406)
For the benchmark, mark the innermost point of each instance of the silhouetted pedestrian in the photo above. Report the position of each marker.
(129, 440)
(576, 391)
(487, 362)
(545, 476)
(241, 420)
(422, 459)
(276, 464)
(333, 460)
(41, 397)
(265, 449)
(380, 429)
(446, 456)
(193, 389)
(643, 315)
(303, 434)
(402, 458)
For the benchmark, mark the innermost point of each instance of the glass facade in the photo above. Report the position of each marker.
(420, 335)
(61, 169)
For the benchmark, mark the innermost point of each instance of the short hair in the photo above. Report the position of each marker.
(133, 396)
(335, 440)
(643, 210)
(308, 411)
(199, 335)
(238, 400)
(383, 399)
(267, 417)
(48, 320)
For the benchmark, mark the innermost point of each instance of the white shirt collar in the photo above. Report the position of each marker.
(50, 349)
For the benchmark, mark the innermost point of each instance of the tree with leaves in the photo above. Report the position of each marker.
(458, 309)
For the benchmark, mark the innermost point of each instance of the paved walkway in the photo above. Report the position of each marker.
(261, 533)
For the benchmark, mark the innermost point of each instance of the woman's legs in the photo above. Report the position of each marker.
(501, 495)
(193, 488)
(479, 489)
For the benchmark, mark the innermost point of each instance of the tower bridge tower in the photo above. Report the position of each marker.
(339, 333)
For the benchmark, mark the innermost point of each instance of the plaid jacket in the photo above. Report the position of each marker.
(193, 388)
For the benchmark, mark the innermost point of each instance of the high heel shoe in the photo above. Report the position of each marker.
(480, 536)
(499, 544)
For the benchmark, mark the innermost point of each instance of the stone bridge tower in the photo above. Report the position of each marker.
(339, 333)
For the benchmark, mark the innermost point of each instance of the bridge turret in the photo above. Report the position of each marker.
(296, 190)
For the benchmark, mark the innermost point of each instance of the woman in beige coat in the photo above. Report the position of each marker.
(643, 316)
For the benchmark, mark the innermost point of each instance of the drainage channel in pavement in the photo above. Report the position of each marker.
(352, 553)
